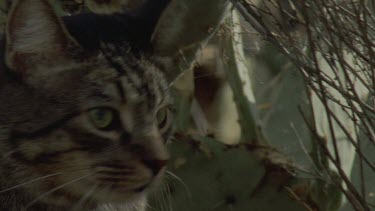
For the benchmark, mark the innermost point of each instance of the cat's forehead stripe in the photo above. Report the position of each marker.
(120, 89)
(125, 64)
(112, 91)
(137, 76)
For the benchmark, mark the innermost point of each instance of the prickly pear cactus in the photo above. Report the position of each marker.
(208, 175)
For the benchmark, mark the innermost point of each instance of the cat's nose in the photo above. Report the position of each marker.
(155, 165)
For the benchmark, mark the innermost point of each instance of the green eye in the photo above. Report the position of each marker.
(102, 118)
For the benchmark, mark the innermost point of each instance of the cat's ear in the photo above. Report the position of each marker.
(183, 28)
(34, 36)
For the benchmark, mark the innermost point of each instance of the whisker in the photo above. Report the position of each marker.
(85, 198)
(164, 197)
(40, 178)
(149, 206)
(217, 205)
(169, 198)
(55, 189)
(172, 175)
(137, 207)
(28, 182)
(157, 201)
(160, 201)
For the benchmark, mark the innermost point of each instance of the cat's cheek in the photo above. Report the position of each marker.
(75, 162)
(28, 150)
(45, 149)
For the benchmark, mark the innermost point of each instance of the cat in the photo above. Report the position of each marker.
(72, 123)
(82, 127)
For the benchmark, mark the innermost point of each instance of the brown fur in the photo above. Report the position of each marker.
(53, 157)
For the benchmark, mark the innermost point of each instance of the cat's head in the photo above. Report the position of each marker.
(82, 127)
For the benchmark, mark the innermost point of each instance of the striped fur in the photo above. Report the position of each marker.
(52, 157)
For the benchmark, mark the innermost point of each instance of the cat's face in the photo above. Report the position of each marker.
(92, 128)
(110, 141)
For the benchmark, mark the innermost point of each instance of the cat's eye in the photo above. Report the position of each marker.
(164, 118)
(104, 118)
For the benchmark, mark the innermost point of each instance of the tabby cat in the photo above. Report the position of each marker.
(85, 105)
(79, 129)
